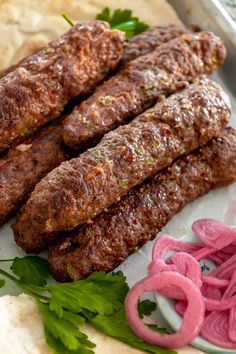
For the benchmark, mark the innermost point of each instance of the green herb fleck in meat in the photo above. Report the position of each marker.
(155, 144)
(105, 100)
(123, 183)
(151, 115)
(150, 161)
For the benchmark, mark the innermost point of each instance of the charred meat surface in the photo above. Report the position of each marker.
(45, 150)
(140, 84)
(81, 188)
(37, 91)
(25, 165)
(137, 218)
(149, 40)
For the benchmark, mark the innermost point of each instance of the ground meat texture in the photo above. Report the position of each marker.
(37, 91)
(24, 166)
(81, 188)
(44, 151)
(137, 218)
(149, 40)
(140, 83)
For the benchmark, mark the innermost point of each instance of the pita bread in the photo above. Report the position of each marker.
(21, 331)
(26, 26)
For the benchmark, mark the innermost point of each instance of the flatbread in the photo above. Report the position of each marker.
(21, 331)
(26, 26)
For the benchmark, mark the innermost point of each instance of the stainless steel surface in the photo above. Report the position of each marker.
(211, 15)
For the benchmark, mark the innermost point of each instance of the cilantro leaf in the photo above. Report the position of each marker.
(99, 300)
(31, 270)
(2, 283)
(100, 293)
(58, 348)
(123, 20)
(116, 326)
(104, 15)
(65, 329)
(146, 307)
(120, 16)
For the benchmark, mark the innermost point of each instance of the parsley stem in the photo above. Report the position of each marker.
(24, 287)
(65, 16)
(7, 260)
(9, 276)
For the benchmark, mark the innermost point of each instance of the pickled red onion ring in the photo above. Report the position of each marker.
(215, 329)
(166, 243)
(192, 319)
(225, 270)
(216, 290)
(214, 282)
(202, 253)
(182, 263)
(214, 233)
(181, 307)
(231, 289)
(211, 292)
(232, 324)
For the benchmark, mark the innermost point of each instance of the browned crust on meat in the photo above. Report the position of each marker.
(149, 40)
(137, 218)
(81, 188)
(25, 165)
(140, 83)
(45, 150)
(37, 91)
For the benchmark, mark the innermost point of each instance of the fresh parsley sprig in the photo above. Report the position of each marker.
(122, 20)
(98, 300)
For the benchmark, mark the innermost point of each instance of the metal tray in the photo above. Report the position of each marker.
(211, 15)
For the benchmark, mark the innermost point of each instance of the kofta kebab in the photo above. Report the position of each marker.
(150, 136)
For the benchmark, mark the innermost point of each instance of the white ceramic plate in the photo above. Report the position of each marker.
(167, 309)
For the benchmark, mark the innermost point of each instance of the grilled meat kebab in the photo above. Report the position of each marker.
(140, 84)
(37, 90)
(136, 219)
(22, 168)
(81, 188)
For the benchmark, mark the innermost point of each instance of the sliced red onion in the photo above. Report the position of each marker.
(179, 277)
(225, 270)
(181, 306)
(216, 329)
(214, 233)
(167, 243)
(215, 282)
(193, 316)
(211, 292)
(182, 263)
(231, 288)
(232, 324)
(219, 305)
(202, 253)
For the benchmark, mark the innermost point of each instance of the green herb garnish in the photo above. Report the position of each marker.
(98, 300)
(123, 20)
(66, 17)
